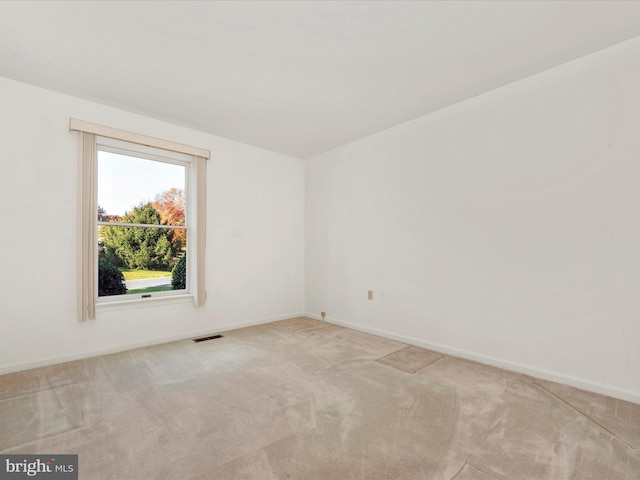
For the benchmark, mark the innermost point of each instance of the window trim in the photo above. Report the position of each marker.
(87, 153)
(110, 132)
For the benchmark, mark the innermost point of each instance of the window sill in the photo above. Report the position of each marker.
(143, 302)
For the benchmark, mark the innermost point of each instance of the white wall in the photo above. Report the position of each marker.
(505, 228)
(255, 235)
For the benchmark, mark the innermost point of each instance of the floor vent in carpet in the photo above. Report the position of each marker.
(212, 337)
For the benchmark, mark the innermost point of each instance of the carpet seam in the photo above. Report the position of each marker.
(460, 470)
(429, 364)
(587, 417)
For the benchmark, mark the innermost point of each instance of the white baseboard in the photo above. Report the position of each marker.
(214, 329)
(581, 383)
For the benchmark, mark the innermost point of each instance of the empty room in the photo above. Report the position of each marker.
(320, 240)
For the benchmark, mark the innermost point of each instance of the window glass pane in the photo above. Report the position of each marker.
(135, 260)
(138, 190)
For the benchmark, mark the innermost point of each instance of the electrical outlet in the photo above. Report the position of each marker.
(370, 294)
(323, 314)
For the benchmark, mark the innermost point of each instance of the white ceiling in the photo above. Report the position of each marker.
(297, 77)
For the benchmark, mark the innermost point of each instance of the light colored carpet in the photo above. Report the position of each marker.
(410, 359)
(302, 399)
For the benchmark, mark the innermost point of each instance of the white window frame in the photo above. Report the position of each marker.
(91, 135)
(104, 144)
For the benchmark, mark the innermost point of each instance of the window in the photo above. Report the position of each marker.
(143, 221)
(142, 218)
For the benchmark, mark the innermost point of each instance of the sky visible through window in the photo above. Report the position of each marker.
(125, 182)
